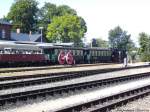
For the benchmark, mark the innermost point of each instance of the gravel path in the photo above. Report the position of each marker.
(140, 105)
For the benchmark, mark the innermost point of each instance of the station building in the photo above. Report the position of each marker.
(7, 34)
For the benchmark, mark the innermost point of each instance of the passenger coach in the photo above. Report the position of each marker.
(14, 53)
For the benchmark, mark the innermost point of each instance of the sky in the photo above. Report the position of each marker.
(103, 15)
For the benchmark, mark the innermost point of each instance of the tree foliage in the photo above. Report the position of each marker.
(45, 15)
(120, 39)
(23, 14)
(64, 9)
(67, 28)
(64, 24)
(49, 11)
(144, 42)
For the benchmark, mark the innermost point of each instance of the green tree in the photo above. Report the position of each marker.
(120, 39)
(64, 9)
(23, 15)
(67, 28)
(144, 50)
(45, 15)
(49, 10)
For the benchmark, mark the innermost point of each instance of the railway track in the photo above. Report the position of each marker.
(73, 73)
(23, 81)
(13, 95)
(110, 102)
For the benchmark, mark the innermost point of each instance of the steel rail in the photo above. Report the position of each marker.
(49, 78)
(24, 95)
(6, 78)
(110, 102)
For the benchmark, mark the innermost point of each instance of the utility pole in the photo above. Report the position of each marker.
(41, 28)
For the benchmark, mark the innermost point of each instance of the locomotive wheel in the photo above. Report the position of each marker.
(61, 57)
(69, 58)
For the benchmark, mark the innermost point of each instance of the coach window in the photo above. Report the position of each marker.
(96, 53)
(108, 53)
(99, 53)
(78, 52)
(92, 53)
(81, 53)
(75, 52)
(104, 53)
(1, 51)
(56, 51)
(35, 52)
(59, 50)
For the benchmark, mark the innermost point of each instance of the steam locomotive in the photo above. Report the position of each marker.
(14, 53)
